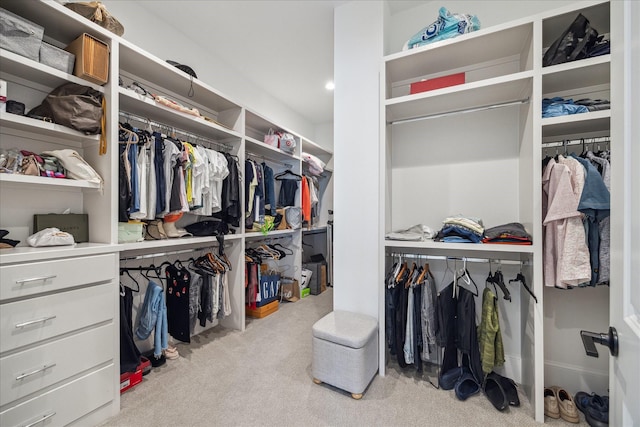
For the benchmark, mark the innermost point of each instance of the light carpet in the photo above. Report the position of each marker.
(262, 377)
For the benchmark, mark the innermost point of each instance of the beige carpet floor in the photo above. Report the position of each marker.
(262, 377)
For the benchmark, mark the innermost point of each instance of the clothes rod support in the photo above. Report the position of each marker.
(162, 254)
(462, 111)
(449, 258)
(131, 116)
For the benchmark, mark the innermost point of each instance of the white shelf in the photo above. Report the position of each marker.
(576, 74)
(144, 106)
(27, 253)
(595, 121)
(470, 95)
(61, 23)
(460, 247)
(42, 181)
(274, 233)
(135, 61)
(467, 50)
(24, 123)
(173, 244)
(317, 150)
(258, 148)
(31, 70)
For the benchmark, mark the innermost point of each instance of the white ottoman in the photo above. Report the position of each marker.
(345, 351)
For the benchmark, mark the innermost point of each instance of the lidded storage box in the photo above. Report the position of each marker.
(19, 35)
(57, 58)
(92, 58)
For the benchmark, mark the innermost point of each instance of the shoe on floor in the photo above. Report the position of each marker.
(494, 392)
(510, 389)
(551, 408)
(449, 379)
(566, 404)
(594, 407)
(467, 385)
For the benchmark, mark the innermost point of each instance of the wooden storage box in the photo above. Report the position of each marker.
(263, 311)
(92, 58)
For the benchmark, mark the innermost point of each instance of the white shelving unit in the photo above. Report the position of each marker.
(476, 149)
(226, 125)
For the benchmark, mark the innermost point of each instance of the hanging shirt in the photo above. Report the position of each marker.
(605, 224)
(143, 183)
(199, 168)
(306, 200)
(566, 256)
(171, 154)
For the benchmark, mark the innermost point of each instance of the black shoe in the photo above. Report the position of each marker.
(510, 389)
(494, 392)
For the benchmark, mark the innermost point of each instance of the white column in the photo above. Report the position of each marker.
(358, 50)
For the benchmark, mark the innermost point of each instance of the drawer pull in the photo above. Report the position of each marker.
(33, 322)
(36, 279)
(28, 374)
(41, 420)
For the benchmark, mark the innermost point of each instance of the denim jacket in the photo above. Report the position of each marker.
(153, 316)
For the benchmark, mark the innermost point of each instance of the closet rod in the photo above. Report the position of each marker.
(265, 238)
(260, 156)
(463, 110)
(183, 132)
(161, 254)
(597, 140)
(449, 258)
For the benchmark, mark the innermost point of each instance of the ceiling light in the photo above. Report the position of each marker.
(329, 86)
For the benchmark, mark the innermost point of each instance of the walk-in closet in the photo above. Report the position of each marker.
(485, 202)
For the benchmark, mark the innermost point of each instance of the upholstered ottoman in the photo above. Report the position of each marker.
(345, 351)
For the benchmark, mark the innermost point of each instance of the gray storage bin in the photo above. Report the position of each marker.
(19, 35)
(315, 285)
(57, 58)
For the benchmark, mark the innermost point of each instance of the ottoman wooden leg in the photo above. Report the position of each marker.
(317, 381)
(357, 396)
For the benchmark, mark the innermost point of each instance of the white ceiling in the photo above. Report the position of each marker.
(283, 46)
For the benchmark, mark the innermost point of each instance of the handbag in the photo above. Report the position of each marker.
(50, 237)
(75, 165)
(287, 142)
(96, 12)
(75, 106)
(574, 43)
(271, 139)
(293, 215)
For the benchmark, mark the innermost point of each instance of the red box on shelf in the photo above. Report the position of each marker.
(438, 83)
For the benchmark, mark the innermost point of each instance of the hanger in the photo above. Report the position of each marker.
(520, 278)
(123, 271)
(498, 279)
(467, 279)
(289, 172)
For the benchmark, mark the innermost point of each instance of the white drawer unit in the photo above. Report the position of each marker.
(28, 371)
(21, 280)
(62, 405)
(35, 319)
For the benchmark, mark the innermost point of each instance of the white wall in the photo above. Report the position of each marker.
(358, 47)
(159, 36)
(403, 25)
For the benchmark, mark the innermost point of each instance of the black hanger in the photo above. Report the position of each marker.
(520, 278)
(289, 172)
(278, 246)
(498, 279)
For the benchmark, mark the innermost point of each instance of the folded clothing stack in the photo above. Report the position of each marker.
(461, 229)
(512, 233)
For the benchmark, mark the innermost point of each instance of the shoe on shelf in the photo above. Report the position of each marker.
(551, 408)
(567, 405)
(494, 391)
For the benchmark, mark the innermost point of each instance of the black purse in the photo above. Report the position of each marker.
(575, 43)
